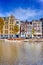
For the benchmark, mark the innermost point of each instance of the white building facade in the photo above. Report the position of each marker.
(26, 28)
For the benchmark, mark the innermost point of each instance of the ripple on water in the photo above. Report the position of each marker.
(23, 53)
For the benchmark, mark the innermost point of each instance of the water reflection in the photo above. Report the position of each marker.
(23, 53)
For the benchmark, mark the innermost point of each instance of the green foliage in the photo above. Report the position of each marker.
(41, 19)
(33, 31)
(1, 24)
(15, 29)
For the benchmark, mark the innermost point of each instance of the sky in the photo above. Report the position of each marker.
(22, 9)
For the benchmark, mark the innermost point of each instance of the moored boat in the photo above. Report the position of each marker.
(6, 40)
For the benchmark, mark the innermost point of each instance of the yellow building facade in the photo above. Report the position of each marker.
(9, 22)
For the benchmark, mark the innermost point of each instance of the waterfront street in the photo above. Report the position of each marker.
(21, 53)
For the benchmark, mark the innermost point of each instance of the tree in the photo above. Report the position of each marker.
(16, 29)
(41, 19)
(33, 31)
(1, 24)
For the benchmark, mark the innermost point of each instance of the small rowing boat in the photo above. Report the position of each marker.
(6, 40)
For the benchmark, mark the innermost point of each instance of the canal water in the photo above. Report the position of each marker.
(21, 53)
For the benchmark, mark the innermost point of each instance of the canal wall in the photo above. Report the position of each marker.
(29, 40)
(36, 40)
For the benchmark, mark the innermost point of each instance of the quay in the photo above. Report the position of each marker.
(23, 40)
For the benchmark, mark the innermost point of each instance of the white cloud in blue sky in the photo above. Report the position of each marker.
(23, 14)
(25, 10)
(41, 0)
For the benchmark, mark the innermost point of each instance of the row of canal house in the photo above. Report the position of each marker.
(26, 28)
(9, 22)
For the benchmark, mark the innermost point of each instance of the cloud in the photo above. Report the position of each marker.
(1, 15)
(23, 14)
(28, 13)
(41, 0)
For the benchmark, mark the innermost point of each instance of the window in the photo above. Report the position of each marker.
(17, 22)
(11, 32)
(22, 33)
(11, 21)
(6, 26)
(6, 31)
(34, 24)
(22, 28)
(11, 27)
(6, 22)
(30, 22)
(38, 30)
(29, 27)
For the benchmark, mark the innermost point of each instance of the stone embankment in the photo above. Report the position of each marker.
(25, 40)
(36, 40)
